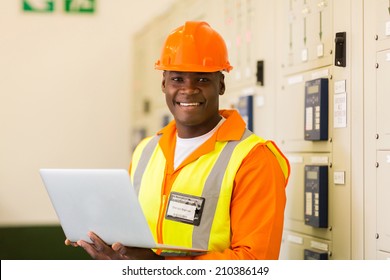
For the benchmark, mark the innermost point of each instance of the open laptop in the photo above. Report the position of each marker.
(103, 201)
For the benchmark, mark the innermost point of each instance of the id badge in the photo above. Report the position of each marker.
(185, 208)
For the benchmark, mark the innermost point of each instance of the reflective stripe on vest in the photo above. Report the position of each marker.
(143, 161)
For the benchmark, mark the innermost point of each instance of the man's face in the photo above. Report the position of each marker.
(193, 99)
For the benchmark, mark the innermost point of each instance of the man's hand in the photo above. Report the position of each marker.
(99, 250)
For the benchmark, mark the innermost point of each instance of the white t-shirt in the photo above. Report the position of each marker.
(185, 146)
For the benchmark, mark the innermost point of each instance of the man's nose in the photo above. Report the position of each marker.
(189, 87)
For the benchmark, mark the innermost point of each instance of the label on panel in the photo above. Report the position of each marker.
(387, 31)
(340, 110)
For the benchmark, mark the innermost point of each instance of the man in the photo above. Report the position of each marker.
(204, 180)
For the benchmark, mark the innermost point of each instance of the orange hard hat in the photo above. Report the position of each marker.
(194, 47)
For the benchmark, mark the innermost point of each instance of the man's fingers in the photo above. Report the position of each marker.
(119, 248)
(70, 243)
(93, 251)
(98, 249)
(100, 245)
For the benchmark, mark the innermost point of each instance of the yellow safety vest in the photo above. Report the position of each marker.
(210, 177)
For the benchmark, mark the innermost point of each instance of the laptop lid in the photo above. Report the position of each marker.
(100, 200)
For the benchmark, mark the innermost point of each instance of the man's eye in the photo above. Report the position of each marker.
(177, 79)
(203, 80)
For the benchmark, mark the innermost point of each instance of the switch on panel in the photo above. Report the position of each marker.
(260, 72)
(340, 58)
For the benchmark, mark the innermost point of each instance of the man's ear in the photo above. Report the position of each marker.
(163, 83)
(222, 84)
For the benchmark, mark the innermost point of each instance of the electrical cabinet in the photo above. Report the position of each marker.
(377, 128)
(316, 207)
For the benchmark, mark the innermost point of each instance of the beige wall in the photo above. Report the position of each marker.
(65, 98)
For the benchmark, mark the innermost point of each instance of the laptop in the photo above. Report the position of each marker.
(103, 201)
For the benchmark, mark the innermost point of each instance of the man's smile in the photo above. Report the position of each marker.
(189, 104)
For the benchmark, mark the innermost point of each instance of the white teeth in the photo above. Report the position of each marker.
(188, 104)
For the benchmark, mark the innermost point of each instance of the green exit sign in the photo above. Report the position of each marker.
(41, 6)
(79, 6)
(69, 6)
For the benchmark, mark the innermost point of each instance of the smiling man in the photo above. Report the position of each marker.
(193, 99)
(204, 181)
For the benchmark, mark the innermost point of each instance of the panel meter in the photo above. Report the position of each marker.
(311, 254)
(316, 196)
(316, 109)
(245, 107)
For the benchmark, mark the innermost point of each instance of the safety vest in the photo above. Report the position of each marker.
(209, 179)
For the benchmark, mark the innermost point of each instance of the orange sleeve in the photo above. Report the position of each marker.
(257, 209)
